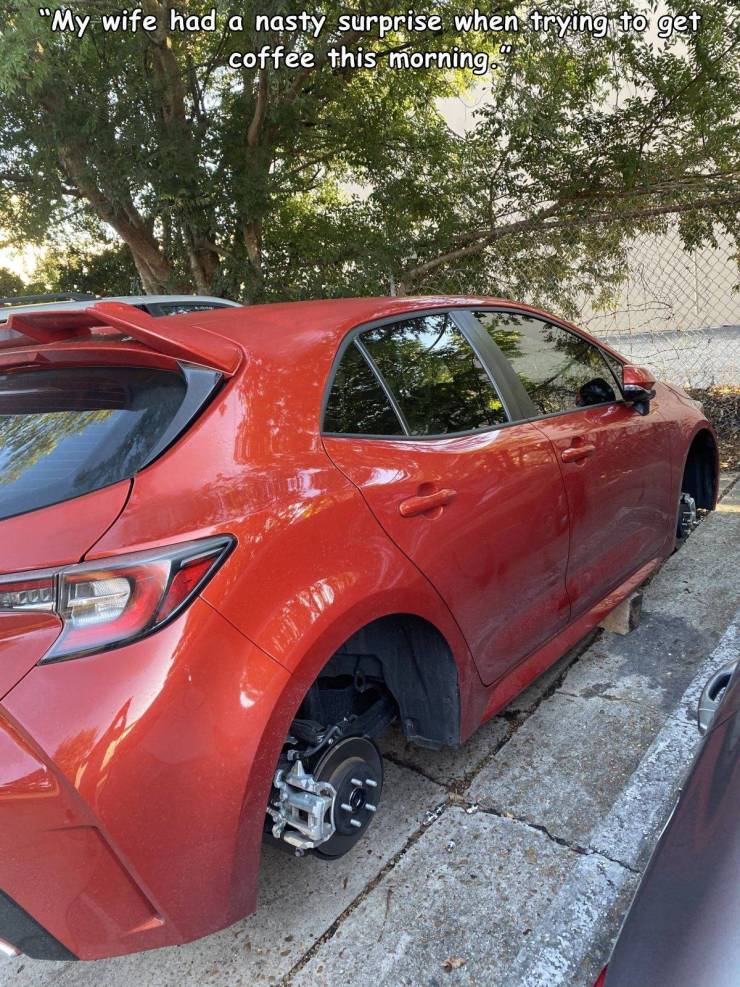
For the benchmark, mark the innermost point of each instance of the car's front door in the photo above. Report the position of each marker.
(615, 462)
(477, 503)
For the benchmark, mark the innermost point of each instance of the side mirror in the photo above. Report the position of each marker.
(638, 385)
(713, 694)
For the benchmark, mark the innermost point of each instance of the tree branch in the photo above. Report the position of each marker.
(540, 223)
(253, 133)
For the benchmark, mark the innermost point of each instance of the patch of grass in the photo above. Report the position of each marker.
(722, 408)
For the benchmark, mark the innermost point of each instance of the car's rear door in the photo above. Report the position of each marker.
(615, 462)
(475, 501)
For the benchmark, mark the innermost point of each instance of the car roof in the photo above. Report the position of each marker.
(329, 313)
(280, 333)
(136, 300)
(327, 321)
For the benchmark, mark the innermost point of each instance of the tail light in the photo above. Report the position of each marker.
(110, 602)
(602, 978)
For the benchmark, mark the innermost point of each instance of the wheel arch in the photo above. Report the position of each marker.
(418, 668)
(700, 471)
(424, 658)
(461, 713)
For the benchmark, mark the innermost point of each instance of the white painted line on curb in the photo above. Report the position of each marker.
(556, 951)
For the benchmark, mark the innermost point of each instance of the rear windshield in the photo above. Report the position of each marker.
(67, 432)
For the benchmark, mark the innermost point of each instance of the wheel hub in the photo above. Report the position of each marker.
(328, 808)
(687, 515)
(354, 769)
(356, 800)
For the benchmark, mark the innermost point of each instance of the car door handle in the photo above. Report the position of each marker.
(573, 453)
(427, 502)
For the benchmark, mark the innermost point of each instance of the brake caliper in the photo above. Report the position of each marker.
(302, 813)
(687, 515)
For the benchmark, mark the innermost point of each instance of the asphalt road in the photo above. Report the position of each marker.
(510, 861)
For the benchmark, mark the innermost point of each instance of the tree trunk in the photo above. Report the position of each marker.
(252, 236)
(204, 263)
(170, 88)
(154, 270)
(153, 267)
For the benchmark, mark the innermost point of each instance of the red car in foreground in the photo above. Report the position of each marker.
(236, 545)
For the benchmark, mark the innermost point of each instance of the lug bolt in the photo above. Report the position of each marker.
(347, 808)
(356, 823)
(356, 781)
(371, 808)
(370, 783)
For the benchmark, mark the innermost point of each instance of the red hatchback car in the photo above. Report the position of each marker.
(236, 545)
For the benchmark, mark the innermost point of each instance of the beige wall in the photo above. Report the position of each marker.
(669, 288)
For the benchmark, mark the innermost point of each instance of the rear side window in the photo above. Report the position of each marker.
(67, 432)
(440, 385)
(357, 402)
(559, 369)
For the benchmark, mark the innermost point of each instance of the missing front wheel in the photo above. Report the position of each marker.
(688, 517)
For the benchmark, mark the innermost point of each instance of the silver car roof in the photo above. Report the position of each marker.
(128, 299)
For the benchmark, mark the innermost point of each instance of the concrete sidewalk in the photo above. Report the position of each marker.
(510, 861)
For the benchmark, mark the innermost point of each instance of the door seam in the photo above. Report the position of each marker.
(395, 544)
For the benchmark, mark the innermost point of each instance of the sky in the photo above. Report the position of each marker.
(20, 262)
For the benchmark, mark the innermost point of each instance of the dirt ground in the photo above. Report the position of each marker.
(722, 408)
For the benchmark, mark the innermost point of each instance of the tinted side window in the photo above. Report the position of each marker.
(357, 402)
(559, 369)
(435, 376)
(615, 366)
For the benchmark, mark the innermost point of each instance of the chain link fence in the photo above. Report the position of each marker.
(677, 312)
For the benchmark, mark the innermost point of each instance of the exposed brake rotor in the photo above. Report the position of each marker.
(326, 804)
(354, 769)
(687, 516)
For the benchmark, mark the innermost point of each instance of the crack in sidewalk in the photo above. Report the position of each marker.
(514, 719)
(429, 820)
(586, 851)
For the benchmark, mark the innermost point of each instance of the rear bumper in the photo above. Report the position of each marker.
(133, 787)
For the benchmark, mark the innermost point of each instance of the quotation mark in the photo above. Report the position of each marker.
(506, 49)
(44, 12)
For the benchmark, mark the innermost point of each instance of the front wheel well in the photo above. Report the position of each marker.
(407, 657)
(699, 475)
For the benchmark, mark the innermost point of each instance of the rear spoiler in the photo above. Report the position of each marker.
(172, 336)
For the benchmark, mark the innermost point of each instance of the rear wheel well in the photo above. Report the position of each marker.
(699, 471)
(404, 656)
